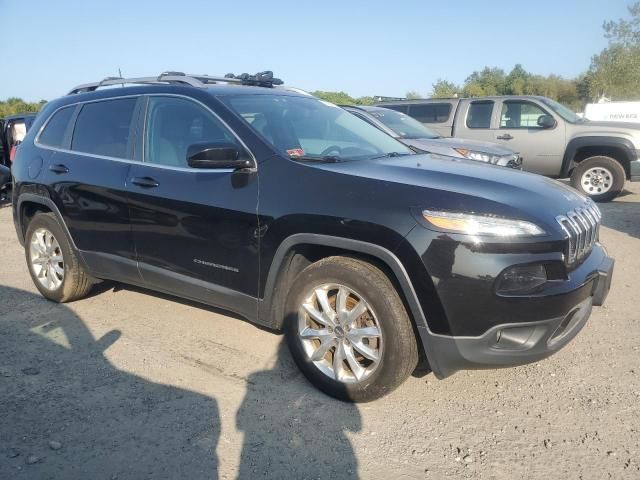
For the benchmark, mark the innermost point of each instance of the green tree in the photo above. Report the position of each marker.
(444, 89)
(412, 95)
(14, 105)
(615, 72)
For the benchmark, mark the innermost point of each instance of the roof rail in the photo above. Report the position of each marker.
(260, 79)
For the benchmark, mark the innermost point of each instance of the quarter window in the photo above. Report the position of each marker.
(53, 134)
(479, 115)
(173, 124)
(431, 113)
(103, 128)
(520, 115)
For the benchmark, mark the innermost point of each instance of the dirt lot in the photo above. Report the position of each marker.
(129, 384)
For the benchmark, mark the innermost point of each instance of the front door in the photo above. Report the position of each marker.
(541, 148)
(195, 230)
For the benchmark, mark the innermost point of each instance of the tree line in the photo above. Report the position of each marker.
(614, 73)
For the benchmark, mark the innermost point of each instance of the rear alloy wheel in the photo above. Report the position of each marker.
(601, 178)
(348, 330)
(47, 261)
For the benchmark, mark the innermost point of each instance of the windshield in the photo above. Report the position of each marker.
(563, 111)
(402, 124)
(305, 127)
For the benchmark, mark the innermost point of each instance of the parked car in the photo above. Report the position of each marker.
(297, 215)
(423, 140)
(12, 131)
(552, 140)
(5, 183)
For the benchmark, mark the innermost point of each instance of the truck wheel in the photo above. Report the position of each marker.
(52, 263)
(601, 178)
(348, 330)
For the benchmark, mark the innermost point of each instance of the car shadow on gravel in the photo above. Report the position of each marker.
(67, 412)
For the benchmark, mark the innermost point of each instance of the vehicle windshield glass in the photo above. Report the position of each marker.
(563, 111)
(312, 128)
(403, 125)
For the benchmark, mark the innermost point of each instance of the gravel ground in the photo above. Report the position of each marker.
(129, 384)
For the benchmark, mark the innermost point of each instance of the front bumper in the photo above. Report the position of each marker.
(634, 169)
(518, 343)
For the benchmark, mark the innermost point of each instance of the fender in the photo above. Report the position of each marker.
(357, 246)
(44, 201)
(593, 141)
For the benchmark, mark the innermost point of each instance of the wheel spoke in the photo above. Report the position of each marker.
(366, 351)
(58, 269)
(317, 316)
(356, 368)
(323, 300)
(56, 258)
(356, 311)
(338, 360)
(356, 334)
(325, 344)
(39, 260)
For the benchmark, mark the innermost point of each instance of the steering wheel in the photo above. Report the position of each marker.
(332, 148)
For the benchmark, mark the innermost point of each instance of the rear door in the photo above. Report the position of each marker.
(541, 148)
(195, 230)
(92, 151)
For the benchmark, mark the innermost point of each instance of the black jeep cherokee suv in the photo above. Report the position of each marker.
(287, 210)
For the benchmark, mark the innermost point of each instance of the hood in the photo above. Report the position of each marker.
(433, 182)
(444, 145)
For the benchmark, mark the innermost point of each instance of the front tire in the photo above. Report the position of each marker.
(52, 262)
(348, 330)
(600, 178)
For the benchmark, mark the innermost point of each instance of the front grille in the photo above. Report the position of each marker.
(582, 227)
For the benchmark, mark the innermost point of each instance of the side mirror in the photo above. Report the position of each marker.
(546, 121)
(217, 155)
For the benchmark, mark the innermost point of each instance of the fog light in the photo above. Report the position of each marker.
(521, 279)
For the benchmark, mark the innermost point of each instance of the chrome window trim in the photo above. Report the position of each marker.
(135, 162)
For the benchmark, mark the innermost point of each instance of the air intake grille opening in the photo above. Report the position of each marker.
(582, 227)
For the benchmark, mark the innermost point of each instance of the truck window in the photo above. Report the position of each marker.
(518, 114)
(398, 108)
(431, 113)
(479, 114)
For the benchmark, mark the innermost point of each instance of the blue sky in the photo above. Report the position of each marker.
(362, 47)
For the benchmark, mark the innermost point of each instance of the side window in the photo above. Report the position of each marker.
(54, 132)
(520, 115)
(479, 115)
(102, 128)
(173, 124)
(431, 113)
(398, 108)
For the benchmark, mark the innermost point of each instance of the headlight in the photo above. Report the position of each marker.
(481, 224)
(511, 160)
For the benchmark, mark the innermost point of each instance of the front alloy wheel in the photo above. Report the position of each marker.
(340, 333)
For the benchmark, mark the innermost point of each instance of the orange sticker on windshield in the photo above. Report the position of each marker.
(295, 152)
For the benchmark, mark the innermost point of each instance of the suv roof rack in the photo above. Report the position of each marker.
(260, 79)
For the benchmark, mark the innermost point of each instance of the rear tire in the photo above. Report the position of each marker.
(372, 348)
(600, 178)
(52, 262)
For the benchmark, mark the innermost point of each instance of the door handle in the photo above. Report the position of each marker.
(59, 168)
(506, 136)
(145, 182)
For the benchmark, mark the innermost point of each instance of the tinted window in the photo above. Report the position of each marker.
(173, 124)
(53, 133)
(403, 125)
(520, 115)
(397, 108)
(431, 113)
(479, 115)
(103, 127)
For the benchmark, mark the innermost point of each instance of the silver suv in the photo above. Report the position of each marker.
(551, 139)
(414, 134)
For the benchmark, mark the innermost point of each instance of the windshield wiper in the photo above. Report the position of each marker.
(390, 155)
(311, 159)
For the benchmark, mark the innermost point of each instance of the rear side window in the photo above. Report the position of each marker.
(54, 132)
(479, 115)
(431, 113)
(397, 108)
(103, 127)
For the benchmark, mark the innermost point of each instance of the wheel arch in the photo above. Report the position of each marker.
(28, 205)
(580, 148)
(299, 250)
